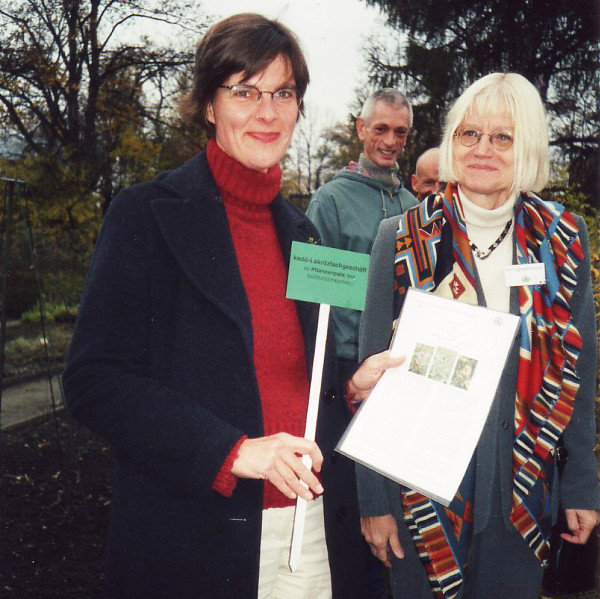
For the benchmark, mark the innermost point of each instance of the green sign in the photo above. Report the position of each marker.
(327, 276)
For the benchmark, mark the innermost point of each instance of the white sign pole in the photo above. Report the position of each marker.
(311, 429)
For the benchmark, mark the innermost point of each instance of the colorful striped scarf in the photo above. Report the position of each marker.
(432, 253)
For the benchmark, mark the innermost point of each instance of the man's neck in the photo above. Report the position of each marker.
(383, 174)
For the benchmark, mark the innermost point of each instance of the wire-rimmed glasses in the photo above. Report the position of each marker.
(470, 137)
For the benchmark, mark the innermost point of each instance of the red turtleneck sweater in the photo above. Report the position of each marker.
(279, 358)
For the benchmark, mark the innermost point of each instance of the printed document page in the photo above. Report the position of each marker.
(422, 421)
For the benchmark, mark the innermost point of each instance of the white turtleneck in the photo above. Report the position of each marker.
(483, 228)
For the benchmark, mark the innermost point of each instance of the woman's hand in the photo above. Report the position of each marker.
(580, 523)
(370, 371)
(274, 459)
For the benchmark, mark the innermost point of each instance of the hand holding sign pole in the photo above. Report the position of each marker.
(330, 277)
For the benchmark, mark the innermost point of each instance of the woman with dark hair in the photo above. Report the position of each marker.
(480, 241)
(188, 358)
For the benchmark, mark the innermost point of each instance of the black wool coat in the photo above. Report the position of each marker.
(161, 366)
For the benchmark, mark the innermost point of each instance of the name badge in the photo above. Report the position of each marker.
(524, 274)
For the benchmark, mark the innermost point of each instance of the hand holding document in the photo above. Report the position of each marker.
(422, 421)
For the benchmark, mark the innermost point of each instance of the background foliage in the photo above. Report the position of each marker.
(93, 105)
(444, 45)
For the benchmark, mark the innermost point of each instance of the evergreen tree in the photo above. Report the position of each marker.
(447, 44)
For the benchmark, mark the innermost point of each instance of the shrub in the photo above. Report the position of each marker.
(64, 287)
(34, 316)
(65, 314)
(24, 349)
(52, 313)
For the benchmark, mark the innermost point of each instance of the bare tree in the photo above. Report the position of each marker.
(317, 153)
(72, 81)
(306, 160)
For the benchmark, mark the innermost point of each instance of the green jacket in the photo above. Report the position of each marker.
(347, 211)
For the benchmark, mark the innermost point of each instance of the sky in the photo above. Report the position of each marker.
(332, 33)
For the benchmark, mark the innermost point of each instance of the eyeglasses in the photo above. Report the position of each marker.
(471, 137)
(248, 94)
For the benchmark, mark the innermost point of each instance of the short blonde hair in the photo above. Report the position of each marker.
(512, 94)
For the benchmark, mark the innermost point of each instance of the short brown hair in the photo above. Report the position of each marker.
(244, 43)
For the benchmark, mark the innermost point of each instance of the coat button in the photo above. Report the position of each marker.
(329, 395)
(335, 456)
(505, 424)
(340, 514)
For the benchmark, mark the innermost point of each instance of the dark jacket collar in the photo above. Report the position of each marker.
(191, 216)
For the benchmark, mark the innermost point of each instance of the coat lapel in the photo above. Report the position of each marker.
(192, 219)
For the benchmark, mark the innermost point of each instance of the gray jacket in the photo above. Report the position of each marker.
(578, 485)
(347, 211)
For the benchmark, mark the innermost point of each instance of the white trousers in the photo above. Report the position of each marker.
(312, 579)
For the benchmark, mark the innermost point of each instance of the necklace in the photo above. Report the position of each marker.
(483, 254)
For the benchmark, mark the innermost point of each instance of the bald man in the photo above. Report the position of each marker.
(426, 177)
